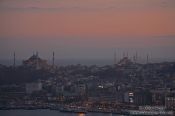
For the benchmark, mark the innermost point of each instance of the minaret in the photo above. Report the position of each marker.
(147, 58)
(37, 54)
(123, 54)
(37, 65)
(53, 59)
(114, 56)
(136, 57)
(14, 60)
(127, 55)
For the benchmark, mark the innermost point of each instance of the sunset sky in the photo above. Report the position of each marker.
(87, 28)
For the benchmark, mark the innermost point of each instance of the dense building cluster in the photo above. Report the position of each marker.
(124, 85)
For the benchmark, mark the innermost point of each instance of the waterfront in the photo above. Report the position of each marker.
(47, 113)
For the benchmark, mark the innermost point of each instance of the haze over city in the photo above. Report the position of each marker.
(92, 29)
(87, 57)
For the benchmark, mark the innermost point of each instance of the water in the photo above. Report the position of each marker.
(47, 113)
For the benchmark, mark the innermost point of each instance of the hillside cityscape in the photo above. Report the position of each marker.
(87, 57)
(126, 87)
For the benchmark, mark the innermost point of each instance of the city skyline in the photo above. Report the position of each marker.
(87, 57)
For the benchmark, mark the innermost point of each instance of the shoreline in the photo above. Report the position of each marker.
(66, 111)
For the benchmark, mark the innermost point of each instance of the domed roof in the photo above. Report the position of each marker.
(34, 57)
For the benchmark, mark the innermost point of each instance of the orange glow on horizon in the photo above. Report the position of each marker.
(95, 23)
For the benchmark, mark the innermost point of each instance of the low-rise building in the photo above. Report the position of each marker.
(33, 87)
